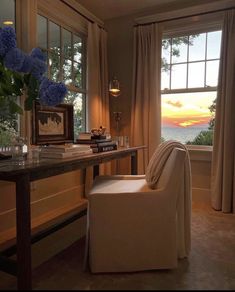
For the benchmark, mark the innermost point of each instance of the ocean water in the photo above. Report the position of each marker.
(181, 134)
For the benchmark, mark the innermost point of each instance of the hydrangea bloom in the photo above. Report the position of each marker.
(37, 53)
(14, 59)
(33, 64)
(51, 93)
(38, 68)
(27, 65)
(7, 40)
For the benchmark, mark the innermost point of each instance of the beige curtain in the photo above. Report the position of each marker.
(97, 84)
(146, 99)
(223, 161)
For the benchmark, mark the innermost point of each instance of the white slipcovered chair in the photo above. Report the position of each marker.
(142, 222)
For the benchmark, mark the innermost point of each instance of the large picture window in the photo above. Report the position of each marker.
(66, 57)
(190, 65)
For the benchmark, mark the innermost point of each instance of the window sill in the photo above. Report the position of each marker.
(200, 153)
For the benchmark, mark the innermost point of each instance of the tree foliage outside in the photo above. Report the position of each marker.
(206, 137)
(72, 76)
(174, 44)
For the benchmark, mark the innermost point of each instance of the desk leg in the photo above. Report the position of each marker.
(96, 170)
(134, 163)
(23, 233)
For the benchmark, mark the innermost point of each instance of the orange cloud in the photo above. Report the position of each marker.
(174, 103)
(184, 121)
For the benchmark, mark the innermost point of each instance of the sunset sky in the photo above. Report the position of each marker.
(187, 109)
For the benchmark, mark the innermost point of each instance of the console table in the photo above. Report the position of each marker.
(30, 171)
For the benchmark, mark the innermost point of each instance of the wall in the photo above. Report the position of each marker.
(120, 60)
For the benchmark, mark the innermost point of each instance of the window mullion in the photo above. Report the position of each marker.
(61, 54)
(187, 64)
(205, 60)
(170, 61)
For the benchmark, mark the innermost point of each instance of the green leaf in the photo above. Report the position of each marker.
(6, 89)
(15, 108)
(28, 104)
(26, 79)
(18, 80)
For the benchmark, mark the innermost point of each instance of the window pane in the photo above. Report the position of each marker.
(67, 44)
(77, 47)
(54, 37)
(165, 80)
(213, 44)
(77, 70)
(178, 76)
(54, 64)
(42, 31)
(78, 101)
(185, 115)
(67, 71)
(196, 73)
(179, 49)
(7, 13)
(166, 52)
(212, 69)
(197, 47)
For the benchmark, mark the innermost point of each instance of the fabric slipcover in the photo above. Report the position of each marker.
(132, 227)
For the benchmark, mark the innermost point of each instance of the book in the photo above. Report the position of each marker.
(92, 141)
(102, 144)
(84, 135)
(64, 148)
(65, 154)
(98, 137)
(104, 148)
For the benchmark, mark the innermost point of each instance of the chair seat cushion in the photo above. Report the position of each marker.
(112, 186)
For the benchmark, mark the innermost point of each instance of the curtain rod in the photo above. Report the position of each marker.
(181, 17)
(83, 15)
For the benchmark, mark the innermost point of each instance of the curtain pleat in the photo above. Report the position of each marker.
(223, 159)
(146, 98)
(97, 84)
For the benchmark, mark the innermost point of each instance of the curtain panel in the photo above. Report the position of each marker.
(146, 97)
(97, 84)
(223, 159)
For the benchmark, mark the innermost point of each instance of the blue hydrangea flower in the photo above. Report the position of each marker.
(14, 59)
(27, 64)
(7, 40)
(51, 93)
(37, 53)
(38, 68)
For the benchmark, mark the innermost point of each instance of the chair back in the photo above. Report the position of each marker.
(172, 171)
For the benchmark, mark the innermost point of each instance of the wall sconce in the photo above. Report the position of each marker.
(114, 87)
(114, 90)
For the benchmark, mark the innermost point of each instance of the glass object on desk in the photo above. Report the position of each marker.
(18, 150)
(35, 154)
(126, 141)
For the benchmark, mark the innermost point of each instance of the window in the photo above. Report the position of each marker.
(9, 124)
(66, 57)
(190, 65)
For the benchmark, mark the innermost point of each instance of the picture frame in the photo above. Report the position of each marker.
(52, 124)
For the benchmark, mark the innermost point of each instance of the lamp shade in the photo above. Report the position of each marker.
(114, 87)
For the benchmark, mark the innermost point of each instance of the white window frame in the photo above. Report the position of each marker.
(71, 87)
(188, 26)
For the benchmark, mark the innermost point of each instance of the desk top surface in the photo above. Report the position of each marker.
(44, 167)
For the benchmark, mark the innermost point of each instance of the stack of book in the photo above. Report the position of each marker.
(65, 151)
(100, 144)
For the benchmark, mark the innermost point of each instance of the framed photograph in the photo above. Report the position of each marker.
(52, 125)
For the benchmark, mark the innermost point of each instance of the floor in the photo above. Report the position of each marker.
(211, 264)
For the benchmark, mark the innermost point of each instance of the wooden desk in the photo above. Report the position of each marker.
(30, 171)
